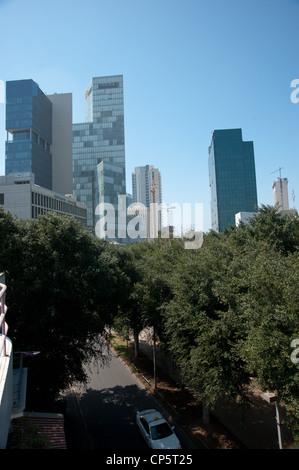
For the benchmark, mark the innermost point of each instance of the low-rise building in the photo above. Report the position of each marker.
(24, 199)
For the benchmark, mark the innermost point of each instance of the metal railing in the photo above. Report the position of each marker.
(3, 325)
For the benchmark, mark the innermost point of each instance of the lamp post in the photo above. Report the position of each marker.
(272, 398)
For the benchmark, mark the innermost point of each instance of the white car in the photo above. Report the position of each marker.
(156, 431)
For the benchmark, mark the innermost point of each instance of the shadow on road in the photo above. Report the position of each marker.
(105, 419)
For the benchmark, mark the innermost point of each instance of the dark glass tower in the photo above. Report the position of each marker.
(232, 177)
(29, 131)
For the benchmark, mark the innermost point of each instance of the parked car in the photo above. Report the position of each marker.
(156, 431)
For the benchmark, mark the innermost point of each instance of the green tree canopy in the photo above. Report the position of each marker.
(63, 288)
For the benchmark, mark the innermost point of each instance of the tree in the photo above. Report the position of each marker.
(62, 291)
(202, 325)
(130, 317)
(272, 313)
(280, 231)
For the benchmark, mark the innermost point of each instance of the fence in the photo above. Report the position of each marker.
(3, 325)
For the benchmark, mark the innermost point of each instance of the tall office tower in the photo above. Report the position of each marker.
(147, 190)
(232, 177)
(100, 141)
(39, 135)
(280, 193)
(62, 141)
(29, 131)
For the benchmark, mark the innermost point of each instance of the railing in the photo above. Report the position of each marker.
(3, 325)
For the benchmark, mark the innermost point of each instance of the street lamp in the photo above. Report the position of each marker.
(272, 398)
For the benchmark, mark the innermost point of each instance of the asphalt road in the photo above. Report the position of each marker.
(102, 416)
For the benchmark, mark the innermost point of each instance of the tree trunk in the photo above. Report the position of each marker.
(136, 343)
(205, 412)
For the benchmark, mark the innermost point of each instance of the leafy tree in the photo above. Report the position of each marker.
(202, 326)
(272, 313)
(62, 291)
(280, 231)
(130, 315)
(234, 311)
(148, 267)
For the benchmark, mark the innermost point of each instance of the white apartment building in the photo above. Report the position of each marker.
(280, 193)
(147, 191)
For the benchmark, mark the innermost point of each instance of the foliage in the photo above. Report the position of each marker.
(148, 267)
(62, 286)
(234, 311)
(26, 435)
(226, 312)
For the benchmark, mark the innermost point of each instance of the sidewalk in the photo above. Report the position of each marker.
(254, 426)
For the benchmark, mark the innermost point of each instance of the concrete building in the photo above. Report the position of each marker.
(147, 191)
(243, 217)
(62, 141)
(20, 196)
(280, 193)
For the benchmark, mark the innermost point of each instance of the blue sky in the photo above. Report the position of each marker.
(189, 67)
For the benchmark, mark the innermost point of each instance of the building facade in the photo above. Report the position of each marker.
(147, 192)
(147, 185)
(29, 131)
(26, 200)
(62, 142)
(232, 177)
(39, 135)
(280, 194)
(99, 147)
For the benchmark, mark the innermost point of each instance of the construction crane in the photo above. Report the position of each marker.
(294, 197)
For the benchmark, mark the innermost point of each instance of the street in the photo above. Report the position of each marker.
(103, 415)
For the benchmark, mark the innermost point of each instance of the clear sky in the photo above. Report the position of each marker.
(189, 67)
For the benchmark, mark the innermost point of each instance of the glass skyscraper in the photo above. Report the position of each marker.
(232, 177)
(29, 131)
(99, 146)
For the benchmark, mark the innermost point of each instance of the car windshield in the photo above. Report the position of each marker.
(160, 431)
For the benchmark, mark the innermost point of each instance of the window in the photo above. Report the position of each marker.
(1, 199)
(145, 424)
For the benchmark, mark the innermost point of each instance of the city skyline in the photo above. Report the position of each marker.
(209, 65)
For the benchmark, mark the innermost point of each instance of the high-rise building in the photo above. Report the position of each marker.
(147, 185)
(99, 147)
(62, 141)
(280, 193)
(38, 166)
(232, 177)
(147, 191)
(39, 135)
(29, 131)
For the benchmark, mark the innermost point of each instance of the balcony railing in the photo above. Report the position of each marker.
(3, 324)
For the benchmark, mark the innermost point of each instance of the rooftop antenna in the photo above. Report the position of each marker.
(279, 169)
